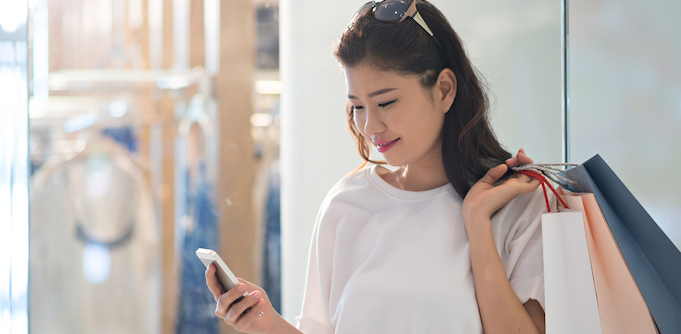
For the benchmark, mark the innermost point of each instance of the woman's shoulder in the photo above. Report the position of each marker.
(358, 191)
(524, 211)
(352, 184)
(351, 194)
(532, 202)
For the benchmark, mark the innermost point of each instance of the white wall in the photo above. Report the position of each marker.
(517, 46)
(625, 99)
(316, 147)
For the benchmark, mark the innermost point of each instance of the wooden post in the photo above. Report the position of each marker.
(167, 109)
(236, 162)
(197, 50)
(55, 35)
(143, 34)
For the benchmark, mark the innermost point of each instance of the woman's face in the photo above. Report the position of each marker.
(396, 114)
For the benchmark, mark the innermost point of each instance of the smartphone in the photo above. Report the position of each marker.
(225, 276)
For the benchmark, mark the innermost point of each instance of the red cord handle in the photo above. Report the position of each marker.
(544, 183)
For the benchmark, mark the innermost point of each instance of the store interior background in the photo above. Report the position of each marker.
(135, 131)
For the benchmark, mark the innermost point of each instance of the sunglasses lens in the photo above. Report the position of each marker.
(363, 10)
(392, 10)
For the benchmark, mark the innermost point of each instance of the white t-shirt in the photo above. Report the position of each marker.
(386, 260)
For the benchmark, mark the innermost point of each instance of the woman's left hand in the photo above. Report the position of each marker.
(484, 198)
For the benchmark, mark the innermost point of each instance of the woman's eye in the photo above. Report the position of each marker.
(357, 108)
(383, 105)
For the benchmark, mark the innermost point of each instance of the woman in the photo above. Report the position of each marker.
(444, 243)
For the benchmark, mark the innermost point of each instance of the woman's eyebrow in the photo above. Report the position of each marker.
(378, 92)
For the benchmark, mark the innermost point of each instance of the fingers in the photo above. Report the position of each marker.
(494, 174)
(497, 172)
(521, 184)
(213, 284)
(247, 308)
(524, 178)
(511, 188)
(244, 308)
(524, 159)
(527, 186)
(513, 161)
(519, 159)
(245, 321)
(230, 299)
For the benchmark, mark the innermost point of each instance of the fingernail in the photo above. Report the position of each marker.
(256, 295)
(241, 288)
(259, 303)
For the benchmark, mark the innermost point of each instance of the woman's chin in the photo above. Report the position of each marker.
(393, 161)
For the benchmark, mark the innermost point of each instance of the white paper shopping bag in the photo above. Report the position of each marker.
(571, 305)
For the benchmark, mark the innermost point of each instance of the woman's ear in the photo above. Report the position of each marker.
(446, 89)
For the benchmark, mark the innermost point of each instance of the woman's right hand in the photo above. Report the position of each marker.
(262, 316)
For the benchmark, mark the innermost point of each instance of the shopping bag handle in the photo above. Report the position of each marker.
(544, 183)
(549, 170)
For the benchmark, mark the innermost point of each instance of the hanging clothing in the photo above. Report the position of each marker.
(196, 313)
(95, 260)
(271, 269)
(125, 136)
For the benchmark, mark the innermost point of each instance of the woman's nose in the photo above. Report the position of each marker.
(373, 123)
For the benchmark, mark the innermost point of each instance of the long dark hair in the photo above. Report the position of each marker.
(469, 146)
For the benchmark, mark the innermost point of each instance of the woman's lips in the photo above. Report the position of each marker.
(384, 146)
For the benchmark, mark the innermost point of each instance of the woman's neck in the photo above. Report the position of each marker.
(417, 177)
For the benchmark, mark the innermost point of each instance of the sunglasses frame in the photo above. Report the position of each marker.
(410, 12)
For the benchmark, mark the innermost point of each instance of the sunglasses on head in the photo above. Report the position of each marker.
(395, 11)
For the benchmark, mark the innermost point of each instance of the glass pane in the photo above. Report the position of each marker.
(518, 46)
(138, 156)
(13, 167)
(625, 98)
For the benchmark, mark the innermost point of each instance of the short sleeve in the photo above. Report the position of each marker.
(313, 317)
(518, 237)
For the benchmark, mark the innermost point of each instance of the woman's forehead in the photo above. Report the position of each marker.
(365, 79)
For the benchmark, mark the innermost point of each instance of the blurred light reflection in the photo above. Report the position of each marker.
(13, 167)
(12, 15)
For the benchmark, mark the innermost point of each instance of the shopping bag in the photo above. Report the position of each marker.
(620, 303)
(569, 293)
(570, 297)
(653, 260)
